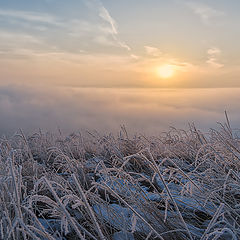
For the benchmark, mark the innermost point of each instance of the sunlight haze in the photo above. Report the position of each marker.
(74, 42)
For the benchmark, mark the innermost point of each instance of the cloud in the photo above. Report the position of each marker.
(104, 14)
(135, 57)
(205, 12)
(29, 16)
(153, 51)
(213, 55)
(83, 33)
(18, 45)
(124, 45)
(111, 27)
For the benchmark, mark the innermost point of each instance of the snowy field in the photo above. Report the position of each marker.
(179, 185)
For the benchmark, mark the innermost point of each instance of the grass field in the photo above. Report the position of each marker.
(176, 185)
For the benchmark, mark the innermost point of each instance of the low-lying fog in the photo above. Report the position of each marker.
(148, 111)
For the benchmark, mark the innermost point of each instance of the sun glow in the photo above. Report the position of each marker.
(165, 71)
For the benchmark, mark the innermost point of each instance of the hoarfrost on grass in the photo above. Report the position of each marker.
(179, 185)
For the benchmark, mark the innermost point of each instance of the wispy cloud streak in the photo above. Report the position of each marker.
(152, 51)
(29, 16)
(105, 15)
(213, 55)
(205, 12)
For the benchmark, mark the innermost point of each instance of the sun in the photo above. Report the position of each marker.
(165, 71)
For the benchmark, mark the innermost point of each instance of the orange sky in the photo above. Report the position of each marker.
(100, 44)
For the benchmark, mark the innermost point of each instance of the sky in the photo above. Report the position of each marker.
(107, 43)
(98, 64)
